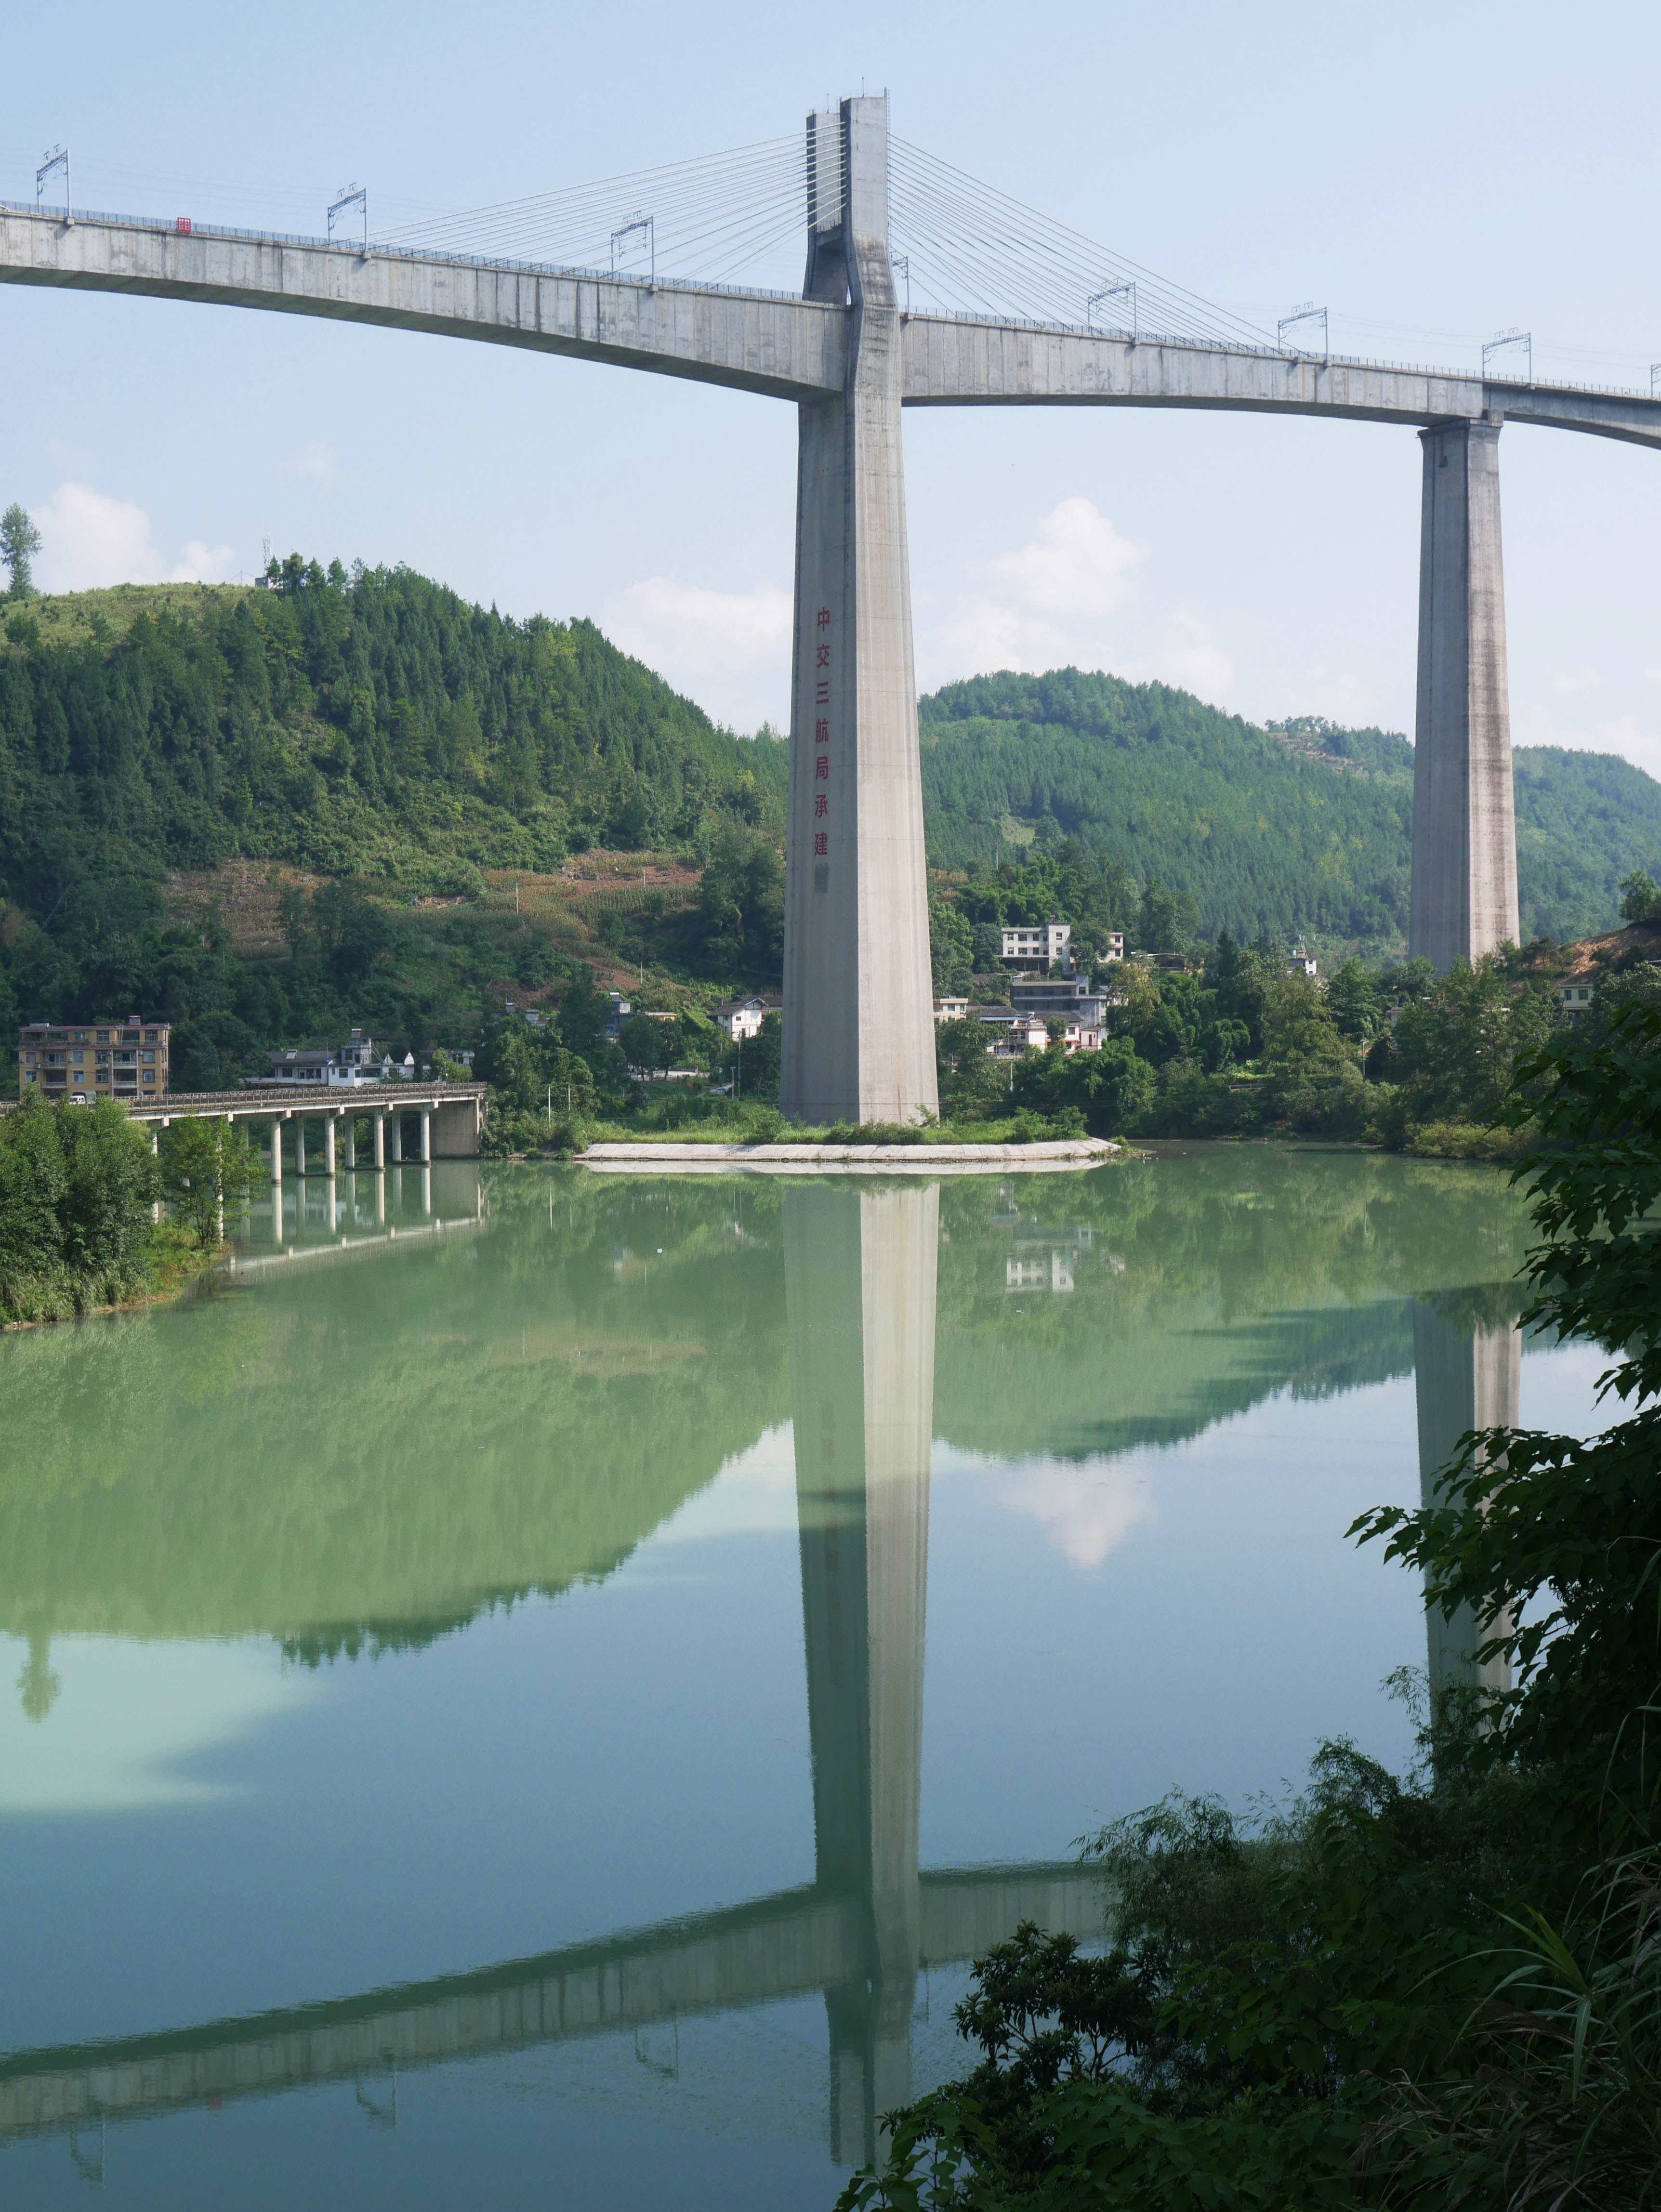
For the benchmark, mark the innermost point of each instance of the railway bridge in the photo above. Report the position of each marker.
(850, 354)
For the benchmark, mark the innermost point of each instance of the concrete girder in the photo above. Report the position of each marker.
(749, 341)
(955, 362)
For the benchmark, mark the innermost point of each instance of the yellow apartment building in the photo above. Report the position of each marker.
(87, 1060)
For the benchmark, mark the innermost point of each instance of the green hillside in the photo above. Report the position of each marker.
(372, 724)
(354, 797)
(1306, 828)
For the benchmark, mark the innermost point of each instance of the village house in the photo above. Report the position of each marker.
(742, 1018)
(347, 1067)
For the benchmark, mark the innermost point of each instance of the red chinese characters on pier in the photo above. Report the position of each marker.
(822, 738)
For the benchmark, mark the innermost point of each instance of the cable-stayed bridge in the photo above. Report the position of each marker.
(922, 288)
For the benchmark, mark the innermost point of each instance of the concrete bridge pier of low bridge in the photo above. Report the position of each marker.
(859, 1032)
(1463, 901)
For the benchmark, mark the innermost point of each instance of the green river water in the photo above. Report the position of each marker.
(535, 1689)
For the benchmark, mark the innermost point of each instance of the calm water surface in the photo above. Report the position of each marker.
(552, 1702)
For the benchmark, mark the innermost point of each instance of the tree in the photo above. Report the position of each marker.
(974, 1086)
(20, 541)
(353, 931)
(740, 908)
(1455, 1046)
(1352, 999)
(584, 1011)
(76, 1186)
(294, 909)
(526, 1067)
(986, 948)
(756, 1063)
(951, 948)
(1167, 919)
(647, 1043)
(209, 1169)
(1299, 1035)
(1639, 899)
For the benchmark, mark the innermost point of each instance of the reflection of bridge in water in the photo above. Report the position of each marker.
(860, 1274)
(860, 1282)
(346, 1214)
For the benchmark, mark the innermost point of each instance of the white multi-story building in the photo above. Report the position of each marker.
(1038, 948)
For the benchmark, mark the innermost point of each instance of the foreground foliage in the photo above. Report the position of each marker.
(77, 1187)
(1442, 1991)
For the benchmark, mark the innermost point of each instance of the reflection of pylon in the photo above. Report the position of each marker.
(668, 2069)
(380, 2115)
(88, 2169)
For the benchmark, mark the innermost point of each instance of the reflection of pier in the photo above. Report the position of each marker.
(860, 1274)
(333, 1210)
(1463, 1379)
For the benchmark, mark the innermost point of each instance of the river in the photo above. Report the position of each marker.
(538, 1684)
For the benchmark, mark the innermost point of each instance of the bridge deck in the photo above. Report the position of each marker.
(763, 342)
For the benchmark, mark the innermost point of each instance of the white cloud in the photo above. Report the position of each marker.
(89, 540)
(1086, 1508)
(1043, 605)
(315, 459)
(728, 650)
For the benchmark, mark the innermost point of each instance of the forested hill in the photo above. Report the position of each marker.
(1306, 828)
(375, 725)
(372, 724)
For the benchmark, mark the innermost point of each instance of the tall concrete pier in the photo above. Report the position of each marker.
(859, 1270)
(1463, 1379)
(859, 1032)
(1464, 830)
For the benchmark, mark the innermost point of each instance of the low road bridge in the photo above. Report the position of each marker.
(447, 1118)
(859, 1033)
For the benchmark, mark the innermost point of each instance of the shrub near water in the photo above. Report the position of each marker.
(77, 1187)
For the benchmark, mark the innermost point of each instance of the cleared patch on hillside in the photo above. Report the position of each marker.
(247, 894)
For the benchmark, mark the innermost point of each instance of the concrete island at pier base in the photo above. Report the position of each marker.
(1051, 1156)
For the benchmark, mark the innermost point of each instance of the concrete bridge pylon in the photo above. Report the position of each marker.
(1464, 829)
(859, 1032)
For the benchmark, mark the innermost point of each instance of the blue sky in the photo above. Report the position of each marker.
(1432, 174)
